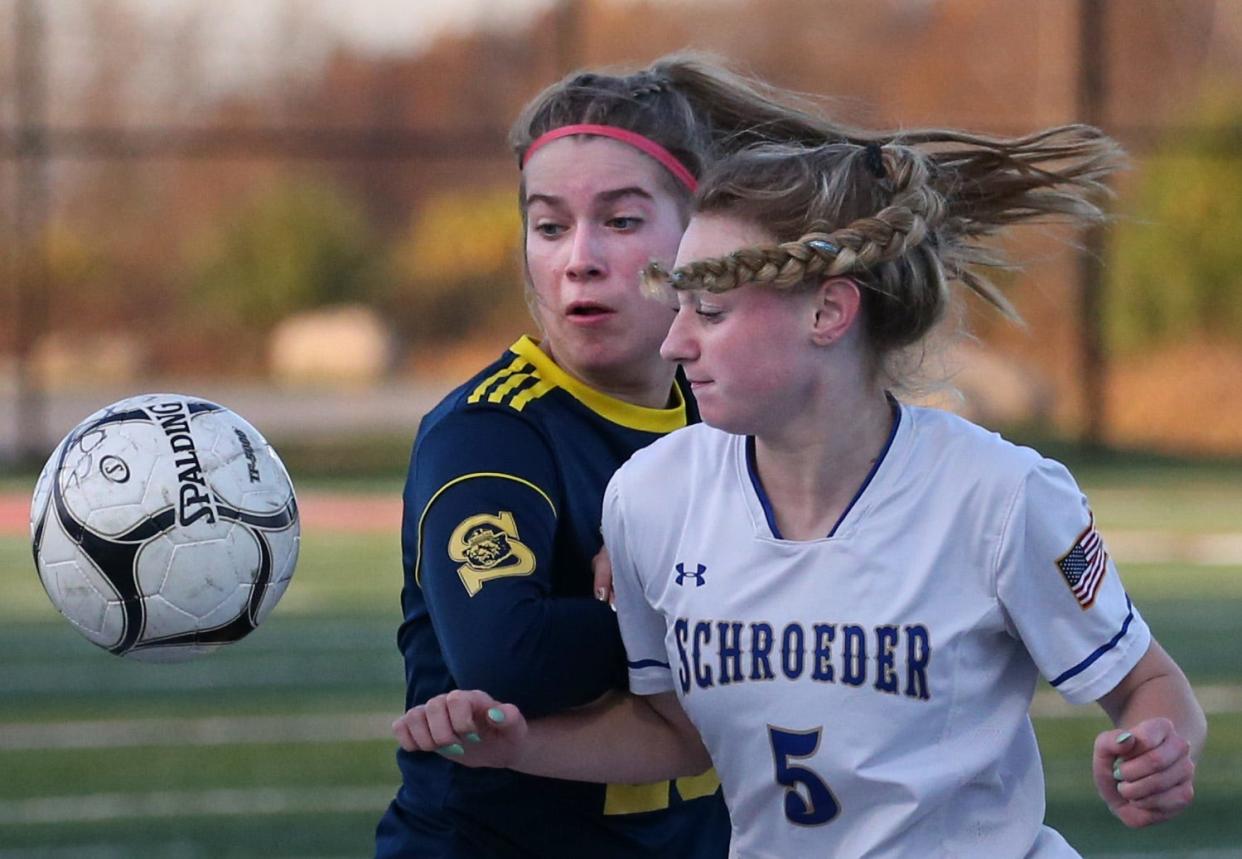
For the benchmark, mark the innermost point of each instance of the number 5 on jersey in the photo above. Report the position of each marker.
(815, 804)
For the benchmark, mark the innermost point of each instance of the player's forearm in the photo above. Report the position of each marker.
(619, 739)
(1159, 690)
(1174, 701)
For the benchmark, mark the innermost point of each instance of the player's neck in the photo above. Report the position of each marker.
(647, 384)
(813, 467)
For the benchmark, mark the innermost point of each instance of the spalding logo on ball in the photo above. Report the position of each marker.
(164, 527)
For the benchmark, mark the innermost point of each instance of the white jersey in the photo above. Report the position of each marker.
(866, 694)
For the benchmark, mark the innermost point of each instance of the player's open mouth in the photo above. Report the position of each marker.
(587, 311)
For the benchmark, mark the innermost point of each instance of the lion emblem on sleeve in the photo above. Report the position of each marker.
(490, 547)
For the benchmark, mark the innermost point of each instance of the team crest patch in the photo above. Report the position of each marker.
(490, 548)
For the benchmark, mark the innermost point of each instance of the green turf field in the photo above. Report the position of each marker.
(278, 748)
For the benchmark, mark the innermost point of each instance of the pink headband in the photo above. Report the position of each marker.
(644, 144)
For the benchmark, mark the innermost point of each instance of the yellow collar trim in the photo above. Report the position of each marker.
(617, 411)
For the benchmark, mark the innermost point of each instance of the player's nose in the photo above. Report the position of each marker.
(679, 345)
(587, 259)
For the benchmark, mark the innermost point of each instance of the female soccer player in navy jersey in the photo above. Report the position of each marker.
(507, 475)
(841, 601)
(502, 503)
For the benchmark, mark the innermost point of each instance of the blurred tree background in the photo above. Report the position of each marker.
(207, 181)
(457, 269)
(1178, 257)
(294, 247)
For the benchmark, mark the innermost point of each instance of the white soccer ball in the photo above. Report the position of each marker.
(164, 527)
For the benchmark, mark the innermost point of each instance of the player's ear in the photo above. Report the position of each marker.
(837, 303)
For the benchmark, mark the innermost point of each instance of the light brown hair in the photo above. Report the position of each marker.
(692, 104)
(903, 219)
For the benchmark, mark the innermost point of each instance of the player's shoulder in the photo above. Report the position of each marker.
(467, 428)
(962, 447)
(509, 384)
(695, 441)
(503, 396)
(963, 458)
(693, 450)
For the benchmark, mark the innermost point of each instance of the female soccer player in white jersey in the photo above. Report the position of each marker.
(507, 475)
(843, 600)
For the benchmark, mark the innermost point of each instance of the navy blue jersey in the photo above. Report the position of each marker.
(502, 517)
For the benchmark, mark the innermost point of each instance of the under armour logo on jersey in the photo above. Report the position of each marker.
(697, 575)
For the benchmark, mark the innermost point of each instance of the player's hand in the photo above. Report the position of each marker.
(602, 568)
(469, 727)
(1145, 774)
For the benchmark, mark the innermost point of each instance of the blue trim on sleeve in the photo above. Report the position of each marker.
(1101, 650)
(647, 663)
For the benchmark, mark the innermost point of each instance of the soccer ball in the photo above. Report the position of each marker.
(164, 527)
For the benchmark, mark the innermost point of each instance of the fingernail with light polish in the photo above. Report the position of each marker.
(453, 749)
(1124, 737)
(601, 594)
(1117, 770)
(496, 714)
(472, 737)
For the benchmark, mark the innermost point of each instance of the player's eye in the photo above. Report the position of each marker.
(708, 313)
(625, 223)
(548, 229)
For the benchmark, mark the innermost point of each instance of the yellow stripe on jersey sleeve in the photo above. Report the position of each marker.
(503, 390)
(534, 392)
(517, 364)
(418, 560)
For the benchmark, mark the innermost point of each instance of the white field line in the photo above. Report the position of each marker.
(193, 803)
(1216, 699)
(214, 731)
(1167, 547)
(105, 850)
(367, 727)
(119, 850)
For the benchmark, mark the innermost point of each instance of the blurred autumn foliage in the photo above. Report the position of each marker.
(1177, 259)
(294, 247)
(193, 258)
(458, 269)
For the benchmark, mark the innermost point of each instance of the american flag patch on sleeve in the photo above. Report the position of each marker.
(1084, 565)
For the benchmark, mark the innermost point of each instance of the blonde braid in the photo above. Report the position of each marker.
(859, 246)
(917, 225)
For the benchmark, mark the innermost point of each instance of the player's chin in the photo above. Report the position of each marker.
(604, 353)
(716, 412)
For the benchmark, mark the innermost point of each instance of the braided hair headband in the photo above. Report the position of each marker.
(780, 266)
